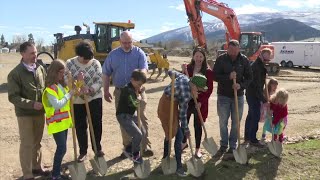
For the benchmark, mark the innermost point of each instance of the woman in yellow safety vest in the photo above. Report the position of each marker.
(56, 103)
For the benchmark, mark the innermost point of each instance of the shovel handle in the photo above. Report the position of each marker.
(74, 139)
(191, 149)
(267, 90)
(139, 125)
(200, 117)
(173, 79)
(237, 110)
(90, 124)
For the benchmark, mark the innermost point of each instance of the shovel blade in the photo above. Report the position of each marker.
(210, 145)
(77, 171)
(195, 167)
(168, 165)
(275, 148)
(143, 170)
(99, 165)
(240, 155)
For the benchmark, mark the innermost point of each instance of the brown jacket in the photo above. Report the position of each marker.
(25, 88)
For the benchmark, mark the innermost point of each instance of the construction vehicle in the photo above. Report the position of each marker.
(251, 43)
(105, 38)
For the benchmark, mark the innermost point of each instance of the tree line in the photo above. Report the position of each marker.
(17, 40)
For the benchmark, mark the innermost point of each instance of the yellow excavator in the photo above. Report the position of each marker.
(105, 38)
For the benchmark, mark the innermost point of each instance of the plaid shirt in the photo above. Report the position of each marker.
(182, 94)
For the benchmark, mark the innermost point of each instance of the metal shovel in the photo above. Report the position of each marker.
(240, 154)
(98, 164)
(169, 164)
(142, 170)
(275, 147)
(208, 143)
(77, 169)
(195, 166)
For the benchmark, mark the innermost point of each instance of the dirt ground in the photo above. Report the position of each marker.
(304, 115)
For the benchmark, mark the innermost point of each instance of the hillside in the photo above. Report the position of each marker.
(278, 27)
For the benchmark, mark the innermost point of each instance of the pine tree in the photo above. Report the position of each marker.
(2, 40)
(30, 38)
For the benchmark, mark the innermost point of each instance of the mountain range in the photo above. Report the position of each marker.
(281, 26)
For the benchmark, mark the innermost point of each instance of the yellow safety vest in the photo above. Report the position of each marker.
(57, 119)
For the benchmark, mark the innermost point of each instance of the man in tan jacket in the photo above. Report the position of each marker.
(26, 83)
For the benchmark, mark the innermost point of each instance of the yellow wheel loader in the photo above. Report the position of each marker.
(105, 38)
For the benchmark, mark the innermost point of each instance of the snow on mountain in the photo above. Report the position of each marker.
(309, 18)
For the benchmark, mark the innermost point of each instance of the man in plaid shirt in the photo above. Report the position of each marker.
(184, 90)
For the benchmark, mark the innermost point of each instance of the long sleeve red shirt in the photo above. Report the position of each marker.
(203, 97)
(279, 112)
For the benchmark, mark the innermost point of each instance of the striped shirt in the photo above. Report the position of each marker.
(182, 94)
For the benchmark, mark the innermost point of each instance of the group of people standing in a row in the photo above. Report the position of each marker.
(41, 96)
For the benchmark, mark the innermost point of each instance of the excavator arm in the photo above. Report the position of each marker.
(214, 8)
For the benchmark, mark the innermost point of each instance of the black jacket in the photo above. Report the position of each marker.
(128, 101)
(255, 88)
(222, 69)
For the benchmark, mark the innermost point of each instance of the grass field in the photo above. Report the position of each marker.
(298, 161)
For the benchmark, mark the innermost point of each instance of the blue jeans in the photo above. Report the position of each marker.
(252, 121)
(177, 147)
(61, 140)
(225, 107)
(129, 124)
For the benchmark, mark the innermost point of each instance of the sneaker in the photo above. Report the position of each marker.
(82, 157)
(61, 177)
(181, 173)
(126, 154)
(137, 159)
(147, 153)
(41, 172)
(230, 151)
(100, 153)
(220, 152)
(263, 140)
(184, 146)
(198, 154)
(256, 144)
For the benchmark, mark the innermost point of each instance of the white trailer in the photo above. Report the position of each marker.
(289, 54)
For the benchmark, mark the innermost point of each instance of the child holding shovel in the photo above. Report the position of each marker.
(126, 113)
(271, 89)
(184, 89)
(56, 104)
(279, 111)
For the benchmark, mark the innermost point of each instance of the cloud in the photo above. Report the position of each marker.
(252, 9)
(4, 27)
(299, 3)
(179, 7)
(140, 34)
(167, 26)
(34, 27)
(66, 27)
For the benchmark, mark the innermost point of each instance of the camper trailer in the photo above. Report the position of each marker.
(290, 54)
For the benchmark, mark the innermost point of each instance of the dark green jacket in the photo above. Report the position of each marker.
(24, 89)
(128, 102)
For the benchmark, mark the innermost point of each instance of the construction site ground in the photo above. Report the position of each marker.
(303, 121)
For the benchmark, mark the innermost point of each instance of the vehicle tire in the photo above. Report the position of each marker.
(275, 69)
(46, 54)
(40, 60)
(290, 64)
(283, 64)
(307, 67)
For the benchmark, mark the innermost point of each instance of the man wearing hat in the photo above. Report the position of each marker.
(185, 89)
(229, 66)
